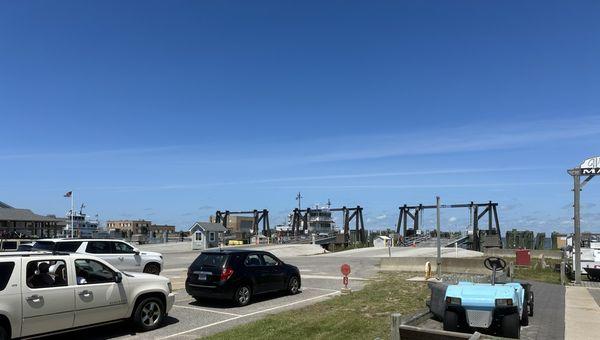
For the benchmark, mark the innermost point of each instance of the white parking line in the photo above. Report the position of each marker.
(325, 289)
(174, 270)
(326, 277)
(249, 314)
(207, 310)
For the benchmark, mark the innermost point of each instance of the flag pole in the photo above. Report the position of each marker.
(72, 211)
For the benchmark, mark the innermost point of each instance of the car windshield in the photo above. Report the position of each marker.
(44, 245)
(210, 260)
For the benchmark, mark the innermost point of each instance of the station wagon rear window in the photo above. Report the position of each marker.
(6, 269)
(210, 260)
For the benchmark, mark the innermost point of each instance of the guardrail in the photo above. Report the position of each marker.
(405, 329)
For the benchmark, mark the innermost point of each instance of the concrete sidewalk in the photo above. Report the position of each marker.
(582, 313)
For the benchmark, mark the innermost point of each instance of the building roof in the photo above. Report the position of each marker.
(13, 214)
(207, 226)
(4, 205)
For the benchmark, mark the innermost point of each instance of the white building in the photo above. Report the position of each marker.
(382, 241)
(206, 235)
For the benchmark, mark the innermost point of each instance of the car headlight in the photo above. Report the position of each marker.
(170, 287)
(453, 300)
(504, 302)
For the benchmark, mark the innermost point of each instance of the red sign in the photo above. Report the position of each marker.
(345, 269)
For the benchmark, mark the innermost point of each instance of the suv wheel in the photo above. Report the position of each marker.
(152, 268)
(148, 314)
(242, 295)
(3, 333)
(293, 285)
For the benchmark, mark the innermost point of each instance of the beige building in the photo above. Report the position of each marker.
(161, 228)
(237, 224)
(131, 227)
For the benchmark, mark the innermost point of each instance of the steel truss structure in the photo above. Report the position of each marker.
(415, 213)
(258, 217)
(300, 220)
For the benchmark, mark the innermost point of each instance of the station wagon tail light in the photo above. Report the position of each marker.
(226, 274)
(453, 300)
(170, 287)
(504, 302)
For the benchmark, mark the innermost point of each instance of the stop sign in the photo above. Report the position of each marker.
(345, 269)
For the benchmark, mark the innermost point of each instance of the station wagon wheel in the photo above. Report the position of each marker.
(149, 314)
(294, 285)
(242, 295)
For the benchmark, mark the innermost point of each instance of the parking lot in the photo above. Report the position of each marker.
(321, 279)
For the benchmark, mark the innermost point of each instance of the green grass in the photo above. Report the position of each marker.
(537, 273)
(361, 315)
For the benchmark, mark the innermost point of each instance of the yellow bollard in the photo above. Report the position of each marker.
(427, 270)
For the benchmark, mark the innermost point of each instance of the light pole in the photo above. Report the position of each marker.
(439, 242)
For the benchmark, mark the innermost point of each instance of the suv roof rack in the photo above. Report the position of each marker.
(32, 253)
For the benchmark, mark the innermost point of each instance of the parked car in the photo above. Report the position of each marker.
(43, 292)
(119, 253)
(238, 275)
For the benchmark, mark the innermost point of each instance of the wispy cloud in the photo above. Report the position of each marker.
(417, 186)
(459, 139)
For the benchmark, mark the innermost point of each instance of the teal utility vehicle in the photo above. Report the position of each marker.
(501, 308)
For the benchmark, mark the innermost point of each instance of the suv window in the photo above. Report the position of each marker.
(122, 248)
(269, 260)
(6, 269)
(46, 273)
(91, 272)
(210, 260)
(99, 247)
(70, 247)
(253, 260)
(44, 245)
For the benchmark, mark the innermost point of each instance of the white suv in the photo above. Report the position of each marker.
(42, 292)
(116, 252)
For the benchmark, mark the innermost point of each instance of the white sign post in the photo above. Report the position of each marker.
(590, 167)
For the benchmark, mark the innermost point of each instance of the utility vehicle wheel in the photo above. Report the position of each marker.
(293, 285)
(148, 314)
(242, 295)
(510, 326)
(152, 268)
(451, 321)
(3, 333)
(530, 304)
(525, 315)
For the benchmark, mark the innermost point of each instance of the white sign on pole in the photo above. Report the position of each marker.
(590, 166)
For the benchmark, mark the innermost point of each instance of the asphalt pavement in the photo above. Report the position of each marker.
(321, 279)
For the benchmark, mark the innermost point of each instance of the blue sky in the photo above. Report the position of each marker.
(170, 110)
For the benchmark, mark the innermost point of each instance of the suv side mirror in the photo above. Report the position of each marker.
(136, 251)
(118, 277)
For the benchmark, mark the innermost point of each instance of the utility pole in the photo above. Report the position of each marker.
(577, 227)
(299, 199)
(439, 242)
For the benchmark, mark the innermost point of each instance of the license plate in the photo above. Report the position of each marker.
(202, 277)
